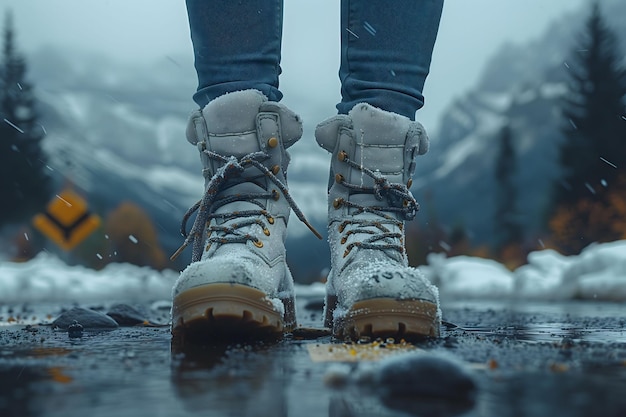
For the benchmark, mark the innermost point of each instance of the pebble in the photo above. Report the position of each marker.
(75, 330)
(126, 315)
(89, 319)
(425, 374)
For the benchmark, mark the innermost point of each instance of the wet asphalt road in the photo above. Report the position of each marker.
(539, 359)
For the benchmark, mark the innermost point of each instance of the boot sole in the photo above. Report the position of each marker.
(218, 313)
(388, 318)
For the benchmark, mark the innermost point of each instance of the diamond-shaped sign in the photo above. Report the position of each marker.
(67, 221)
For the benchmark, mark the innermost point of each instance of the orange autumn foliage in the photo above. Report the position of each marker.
(601, 218)
(134, 237)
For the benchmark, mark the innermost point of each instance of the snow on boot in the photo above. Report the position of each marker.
(238, 285)
(371, 290)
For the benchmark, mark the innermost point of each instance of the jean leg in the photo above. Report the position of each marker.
(386, 50)
(236, 46)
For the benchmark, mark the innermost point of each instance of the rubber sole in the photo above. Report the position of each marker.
(385, 318)
(218, 313)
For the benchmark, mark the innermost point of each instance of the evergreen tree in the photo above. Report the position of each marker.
(593, 155)
(24, 183)
(594, 151)
(507, 227)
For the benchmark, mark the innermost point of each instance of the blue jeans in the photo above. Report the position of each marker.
(386, 49)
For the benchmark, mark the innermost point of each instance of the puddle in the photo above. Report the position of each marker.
(574, 309)
(136, 371)
(541, 321)
(552, 332)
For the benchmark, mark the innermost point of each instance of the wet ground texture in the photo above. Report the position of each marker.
(493, 359)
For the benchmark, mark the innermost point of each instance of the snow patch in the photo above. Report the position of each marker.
(46, 278)
(497, 102)
(598, 273)
(468, 277)
(553, 90)
(278, 306)
(456, 155)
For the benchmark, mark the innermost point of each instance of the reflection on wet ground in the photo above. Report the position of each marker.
(550, 332)
(532, 360)
(542, 322)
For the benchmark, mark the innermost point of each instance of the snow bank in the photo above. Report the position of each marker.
(467, 277)
(598, 273)
(46, 278)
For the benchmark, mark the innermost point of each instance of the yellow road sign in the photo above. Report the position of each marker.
(67, 220)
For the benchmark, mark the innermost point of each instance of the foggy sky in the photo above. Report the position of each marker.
(145, 30)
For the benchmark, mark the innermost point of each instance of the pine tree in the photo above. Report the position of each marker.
(24, 183)
(507, 227)
(593, 154)
(594, 151)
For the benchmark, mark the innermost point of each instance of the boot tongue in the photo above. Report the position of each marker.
(369, 200)
(373, 126)
(239, 189)
(380, 138)
(234, 112)
(380, 143)
(231, 123)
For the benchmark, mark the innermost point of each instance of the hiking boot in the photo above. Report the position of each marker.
(371, 290)
(238, 285)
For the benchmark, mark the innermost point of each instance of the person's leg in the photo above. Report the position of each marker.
(386, 52)
(236, 46)
(386, 49)
(238, 285)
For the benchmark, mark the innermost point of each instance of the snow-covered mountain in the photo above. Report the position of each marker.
(117, 132)
(522, 87)
(114, 133)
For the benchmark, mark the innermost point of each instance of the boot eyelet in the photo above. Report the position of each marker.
(346, 253)
(342, 155)
(257, 243)
(272, 142)
(339, 178)
(207, 247)
(405, 203)
(337, 202)
(275, 195)
(275, 169)
(341, 227)
(270, 220)
(344, 240)
(266, 231)
(409, 183)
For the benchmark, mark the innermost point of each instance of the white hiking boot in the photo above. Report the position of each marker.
(238, 285)
(371, 290)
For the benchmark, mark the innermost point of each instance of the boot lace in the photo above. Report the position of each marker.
(228, 175)
(399, 201)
